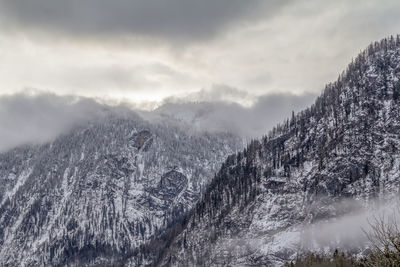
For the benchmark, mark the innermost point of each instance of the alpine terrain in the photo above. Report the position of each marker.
(95, 194)
(344, 147)
(122, 191)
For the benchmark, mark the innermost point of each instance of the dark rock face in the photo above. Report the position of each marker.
(94, 195)
(344, 147)
(141, 139)
(171, 183)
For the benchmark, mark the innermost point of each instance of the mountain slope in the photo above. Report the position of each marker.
(346, 146)
(93, 195)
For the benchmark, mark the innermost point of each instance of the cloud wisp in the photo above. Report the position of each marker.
(352, 231)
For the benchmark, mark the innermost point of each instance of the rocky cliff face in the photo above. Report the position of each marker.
(346, 146)
(95, 194)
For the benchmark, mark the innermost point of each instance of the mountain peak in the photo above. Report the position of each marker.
(345, 146)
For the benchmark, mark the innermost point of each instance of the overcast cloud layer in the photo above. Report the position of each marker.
(144, 51)
(185, 20)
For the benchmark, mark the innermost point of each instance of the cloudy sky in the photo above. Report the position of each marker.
(146, 51)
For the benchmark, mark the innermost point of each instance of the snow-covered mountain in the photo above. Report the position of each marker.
(344, 147)
(95, 194)
(121, 191)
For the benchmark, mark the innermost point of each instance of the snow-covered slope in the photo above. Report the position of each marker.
(346, 146)
(93, 195)
(113, 192)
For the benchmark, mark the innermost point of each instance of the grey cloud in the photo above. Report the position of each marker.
(260, 79)
(173, 19)
(112, 76)
(222, 115)
(31, 119)
(39, 118)
(219, 92)
(108, 78)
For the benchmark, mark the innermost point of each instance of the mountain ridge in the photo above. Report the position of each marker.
(344, 146)
(121, 191)
(94, 194)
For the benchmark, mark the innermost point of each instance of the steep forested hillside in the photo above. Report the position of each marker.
(93, 195)
(345, 146)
